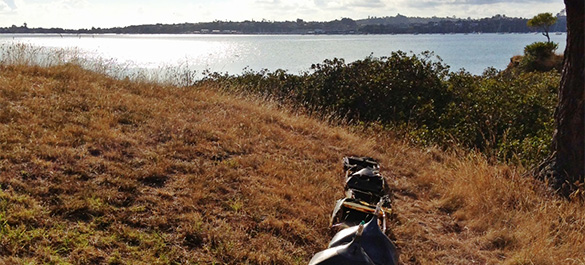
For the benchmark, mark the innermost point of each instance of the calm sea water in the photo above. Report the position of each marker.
(295, 53)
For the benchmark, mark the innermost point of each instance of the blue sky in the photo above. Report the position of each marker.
(75, 14)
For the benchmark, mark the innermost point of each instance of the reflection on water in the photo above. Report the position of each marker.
(233, 53)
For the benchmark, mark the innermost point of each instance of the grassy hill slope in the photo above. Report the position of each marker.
(96, 170)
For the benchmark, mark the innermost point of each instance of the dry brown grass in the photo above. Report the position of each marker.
(458, 209)
(95, 170)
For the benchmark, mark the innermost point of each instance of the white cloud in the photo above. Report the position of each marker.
(4, 8)
(479, 8)
(9, 3)
(348, 4)
(369, 3)
(470, 3)
(111, 13)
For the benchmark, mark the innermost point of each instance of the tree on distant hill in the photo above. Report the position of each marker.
(566, 166)
(543, 21)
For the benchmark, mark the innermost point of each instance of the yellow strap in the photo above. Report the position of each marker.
(366, 208)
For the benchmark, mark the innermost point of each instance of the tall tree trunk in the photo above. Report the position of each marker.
(566, 166)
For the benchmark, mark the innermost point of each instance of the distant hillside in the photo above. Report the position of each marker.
(496, 24)
(373, 25)
(101, 171)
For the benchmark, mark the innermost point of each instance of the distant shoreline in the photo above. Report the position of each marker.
(398, 24)
(269, 34)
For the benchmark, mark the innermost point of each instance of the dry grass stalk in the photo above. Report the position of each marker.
(96, 170)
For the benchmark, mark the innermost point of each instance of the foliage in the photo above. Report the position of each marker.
(387, 89)
(540, 49)
(540, 56)
(506, 115)
(543, 21)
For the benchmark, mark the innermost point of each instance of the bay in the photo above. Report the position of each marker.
(294, 53)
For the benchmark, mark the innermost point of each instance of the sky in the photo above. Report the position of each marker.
(76, 14)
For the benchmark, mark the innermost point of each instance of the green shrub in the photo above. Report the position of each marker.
(505, 116)
(392, 90)
(540, 49)
(508, 115)
(540, 56)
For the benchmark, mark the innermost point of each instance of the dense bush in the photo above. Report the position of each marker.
(392, 90)
(504, 115)
(507, 115)
(388, 89)
(540, 49)
(540, 56)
